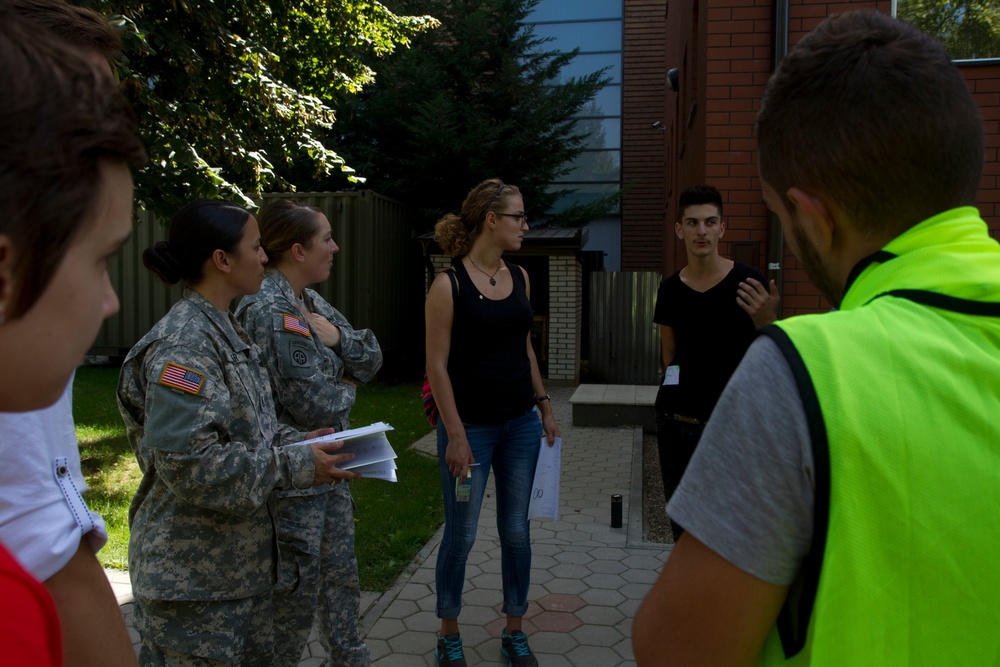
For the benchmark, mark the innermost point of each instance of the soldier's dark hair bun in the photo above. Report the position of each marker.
(197, 230)
(162, 262)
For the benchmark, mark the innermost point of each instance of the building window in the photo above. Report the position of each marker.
(970, 29)
(595, 28)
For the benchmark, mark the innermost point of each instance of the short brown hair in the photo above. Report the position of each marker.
(874, 113)
(455, 233)
(62, 116)
(79, 26)
(285, 222)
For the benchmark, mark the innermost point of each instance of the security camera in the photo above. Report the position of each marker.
(657, 125)
(672, 79)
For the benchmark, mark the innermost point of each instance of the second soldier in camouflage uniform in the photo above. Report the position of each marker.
(315, 359)
(200, 420)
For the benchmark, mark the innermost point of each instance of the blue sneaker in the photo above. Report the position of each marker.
(515, 648)
(449, 651)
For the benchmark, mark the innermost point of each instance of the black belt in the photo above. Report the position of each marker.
(687, 420)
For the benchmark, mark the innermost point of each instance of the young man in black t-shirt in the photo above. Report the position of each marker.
(708, 313)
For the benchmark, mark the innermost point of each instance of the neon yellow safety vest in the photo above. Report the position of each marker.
(902, 390)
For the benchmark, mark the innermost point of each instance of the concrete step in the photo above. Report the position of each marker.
(615, 405)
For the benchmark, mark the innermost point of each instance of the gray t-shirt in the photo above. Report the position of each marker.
(748, 493)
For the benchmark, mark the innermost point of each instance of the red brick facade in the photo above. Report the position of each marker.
(724, 52)
(984, 82)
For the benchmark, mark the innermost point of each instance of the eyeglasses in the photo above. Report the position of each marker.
(520, 217)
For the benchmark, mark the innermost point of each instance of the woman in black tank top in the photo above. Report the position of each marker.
(489, 395)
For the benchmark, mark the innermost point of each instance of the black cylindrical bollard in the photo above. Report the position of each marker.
(616, 510)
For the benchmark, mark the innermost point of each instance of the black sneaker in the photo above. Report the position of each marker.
(515, 648)
(449, 651)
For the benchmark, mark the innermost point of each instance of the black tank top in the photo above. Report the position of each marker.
(488, 360)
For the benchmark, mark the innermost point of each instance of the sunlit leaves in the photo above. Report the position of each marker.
(229, 95)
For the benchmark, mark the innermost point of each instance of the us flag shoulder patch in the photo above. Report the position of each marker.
(185, 379)
(293, 323)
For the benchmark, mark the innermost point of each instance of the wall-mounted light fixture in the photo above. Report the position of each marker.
(673, 77)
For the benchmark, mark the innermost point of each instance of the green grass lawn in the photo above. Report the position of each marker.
(395, 520)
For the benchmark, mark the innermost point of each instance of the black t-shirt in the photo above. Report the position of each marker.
(488, 360)
(711, 333)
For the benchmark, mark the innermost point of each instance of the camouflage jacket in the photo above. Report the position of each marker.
(306, 375)
(200, 420)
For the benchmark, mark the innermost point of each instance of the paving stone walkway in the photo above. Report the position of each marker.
(587, 578)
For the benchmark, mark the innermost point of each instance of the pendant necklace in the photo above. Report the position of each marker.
(493, 281)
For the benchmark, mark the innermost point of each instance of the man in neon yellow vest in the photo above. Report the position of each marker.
(843, 506)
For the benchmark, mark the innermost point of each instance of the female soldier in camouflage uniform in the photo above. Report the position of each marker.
(316, 360)
(201, 422)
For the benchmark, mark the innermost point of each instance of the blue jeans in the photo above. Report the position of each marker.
(511, 449)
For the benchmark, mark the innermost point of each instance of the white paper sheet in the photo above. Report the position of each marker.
(545, 487)
(374, 457)
(371, 429)
(384, 471)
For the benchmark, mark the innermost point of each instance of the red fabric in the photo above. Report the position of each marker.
(28, 620)
(430, 407)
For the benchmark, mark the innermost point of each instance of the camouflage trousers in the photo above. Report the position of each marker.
(318, 578)
(205, 633)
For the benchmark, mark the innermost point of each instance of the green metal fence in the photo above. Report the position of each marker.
(376, 279)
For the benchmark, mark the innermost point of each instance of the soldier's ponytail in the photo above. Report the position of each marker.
(196, 231)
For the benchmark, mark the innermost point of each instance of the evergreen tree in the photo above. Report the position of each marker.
(479, 96)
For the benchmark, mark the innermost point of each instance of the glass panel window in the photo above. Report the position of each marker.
(607, 102)
(970, 29)
(575, 10)
(601, 133)
(594, 166)
(595, 28)
(583, 194)
(594, 36)
(588, 63)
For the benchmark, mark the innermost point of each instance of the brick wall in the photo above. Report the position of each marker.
(738, 64)
(984, 82)
(799, 295)
(565, 318)
(643, 146)
(440, 262)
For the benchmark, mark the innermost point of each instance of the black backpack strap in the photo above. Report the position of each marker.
(454, 284)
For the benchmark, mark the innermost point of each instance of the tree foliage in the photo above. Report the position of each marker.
(478, 97)
(968, 28)
(230, 95)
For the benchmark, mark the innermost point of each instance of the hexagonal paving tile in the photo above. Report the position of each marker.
(589, 635)
(563, 603)
(565, 586)
(574, 557)
(554, 621)
(594, 616)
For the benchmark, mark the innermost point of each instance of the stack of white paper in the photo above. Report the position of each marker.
(374, 457)
(545, 486)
